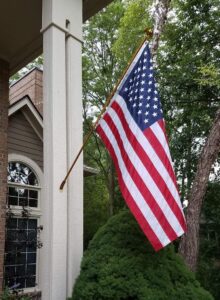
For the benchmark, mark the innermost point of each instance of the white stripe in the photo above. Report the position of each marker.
(157, 130)
(143, 173)
(149, 150)
(132, 188)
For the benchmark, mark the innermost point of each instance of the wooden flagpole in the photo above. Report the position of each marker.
(148, 35)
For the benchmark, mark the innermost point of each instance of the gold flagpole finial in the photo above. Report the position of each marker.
(148, 32)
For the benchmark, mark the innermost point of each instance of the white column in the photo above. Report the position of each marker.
(74, 141)
(54, 202)
(62, 211)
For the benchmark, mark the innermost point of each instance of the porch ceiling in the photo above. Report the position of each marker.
(20, 25)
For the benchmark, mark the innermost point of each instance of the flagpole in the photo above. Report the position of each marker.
(149, 34)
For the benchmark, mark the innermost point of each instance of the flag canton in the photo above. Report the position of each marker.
(140, 93)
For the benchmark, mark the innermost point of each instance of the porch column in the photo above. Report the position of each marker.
(74, 142)
(62, 242)
(4, 102)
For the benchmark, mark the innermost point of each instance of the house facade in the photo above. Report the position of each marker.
(23, 243)
(54, 28)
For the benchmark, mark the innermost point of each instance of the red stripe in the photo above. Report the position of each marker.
(149, 166)
(158, 148)
(128, 198)
(155, 208)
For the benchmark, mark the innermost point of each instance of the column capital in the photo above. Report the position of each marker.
(66, 31)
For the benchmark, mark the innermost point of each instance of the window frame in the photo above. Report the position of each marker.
(35, 212)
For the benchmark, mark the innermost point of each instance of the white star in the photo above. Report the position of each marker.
(149, 90)
(145, 53)
(144, 67)
(140, 104)
(136, 91)
(137, 83)
(146, 113)
(150, 82)
(131, 92)
(134, 105)
(148, 105)
(155, 92)
(141, 97)
(146, 121)
(145, 60)
(130, 80)
(155, 99)
(151, 68)
(155, 106)
(143, 75)
(130, 99)
(148, 98)
(154, 114)
(142, 89)
(161, 110)
(139, 112)
(139, 69)
(142, 82)
(135, 98)
(138, 76)
(150, 75)
(126, 89)
(135, 71)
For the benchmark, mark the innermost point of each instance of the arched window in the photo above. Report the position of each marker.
(22, 226)
(23, 185)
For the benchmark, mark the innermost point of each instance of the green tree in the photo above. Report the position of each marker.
(121, 264)
(208, 271)
(100, 73)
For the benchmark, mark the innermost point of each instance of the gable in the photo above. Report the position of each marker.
(23, 140)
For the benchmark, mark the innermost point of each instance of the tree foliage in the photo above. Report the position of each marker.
(121, 264)
(208, 271)
(100, 73)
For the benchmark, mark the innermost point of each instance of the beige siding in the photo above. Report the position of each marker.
(23, 140)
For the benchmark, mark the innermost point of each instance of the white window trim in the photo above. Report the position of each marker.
(35, 212)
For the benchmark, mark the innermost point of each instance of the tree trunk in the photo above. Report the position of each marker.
(160, 10)
(189, 244)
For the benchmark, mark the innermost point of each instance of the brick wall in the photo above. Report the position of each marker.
(4, 96)
(32, 85)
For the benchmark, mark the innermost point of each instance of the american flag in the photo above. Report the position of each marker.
(133, 131)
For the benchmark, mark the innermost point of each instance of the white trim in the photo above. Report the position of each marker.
(37, 170)
(19, 104)
(29, 162)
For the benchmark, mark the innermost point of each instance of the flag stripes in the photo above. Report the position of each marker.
(149, 155)
(133, 131)
(139, 207)
(157, 193)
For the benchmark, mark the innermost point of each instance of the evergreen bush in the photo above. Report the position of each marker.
(120, 264)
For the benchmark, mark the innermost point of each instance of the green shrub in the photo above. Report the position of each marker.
(121, 264)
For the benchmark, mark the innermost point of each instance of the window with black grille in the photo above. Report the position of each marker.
(21, 242)
(21, 252)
